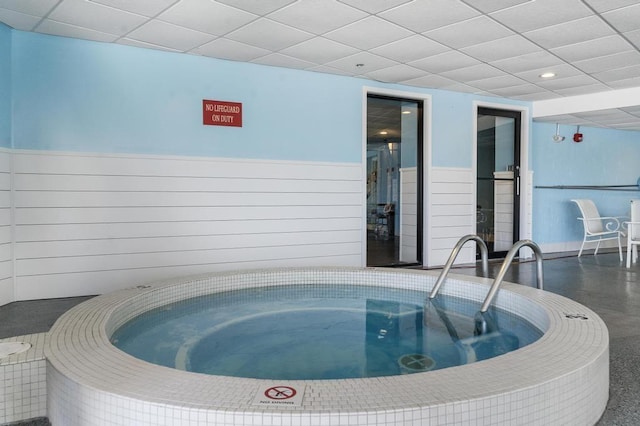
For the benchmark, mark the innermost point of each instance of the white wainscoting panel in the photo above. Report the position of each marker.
(452, 215)
(6, 246)
(89, 223)
(409, 214)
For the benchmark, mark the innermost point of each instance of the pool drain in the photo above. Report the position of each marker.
(416, 362)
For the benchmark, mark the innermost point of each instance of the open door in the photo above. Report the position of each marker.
(394, 176)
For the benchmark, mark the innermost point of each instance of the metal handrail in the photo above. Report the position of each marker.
(484, 253)
(505, 266)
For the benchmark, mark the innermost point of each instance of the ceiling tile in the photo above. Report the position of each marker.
(369, 61)
(319, 50)
(635, 110)
(148, 8)
(466, 33)
(625, 84)
(542, 96)
(369, 33)
(328, 70)
(561, 71)
(96, 17)
(536, 14)
(567, 83)
(503, 48)
(61, 29)
(472, 73)
(317, 16)
(17, 20)
(261, 7)
(633, 37)
(583, 90)
(625, 19)
(605, 5)
(410, 49)
(618, 74)
(207, 16)
(229, 49)
(169, 35)
(535, 60)
(142, 44)
(446, 61)
(603, 63)
(497, 82)
(374, 6)
(461, 87)
(518, 90)
(432, 80)
(395, 74)
(631, 126)
(488, 6)
(577, 31)
(38, 8)
(268, 34)
(422, 16)
(588, 49)
(559, 119)
(279, 60)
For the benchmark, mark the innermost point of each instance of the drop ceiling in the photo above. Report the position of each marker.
(486, 47)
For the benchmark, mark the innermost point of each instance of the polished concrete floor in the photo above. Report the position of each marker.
(601, 282)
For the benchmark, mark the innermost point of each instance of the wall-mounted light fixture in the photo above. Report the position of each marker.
(557, 137)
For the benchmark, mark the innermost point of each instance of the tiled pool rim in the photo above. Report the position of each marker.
(561, 379)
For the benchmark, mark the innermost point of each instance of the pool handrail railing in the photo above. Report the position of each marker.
(511, 254)
(484, 252)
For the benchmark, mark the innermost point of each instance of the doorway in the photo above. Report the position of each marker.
(394, 181)
(498, 179)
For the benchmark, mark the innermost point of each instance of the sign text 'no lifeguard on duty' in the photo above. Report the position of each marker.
(220, 113)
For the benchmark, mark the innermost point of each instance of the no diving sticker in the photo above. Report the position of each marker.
(280, 395)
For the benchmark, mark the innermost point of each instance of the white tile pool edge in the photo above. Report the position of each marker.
(561, 379)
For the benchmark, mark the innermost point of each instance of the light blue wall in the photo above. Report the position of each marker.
(605, 157)
(452, 132)
(75, 95)
(5, 86)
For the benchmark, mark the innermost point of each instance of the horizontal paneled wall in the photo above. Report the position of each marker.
(6, 254)
(88, 224)
(409, 215)
(452, 213)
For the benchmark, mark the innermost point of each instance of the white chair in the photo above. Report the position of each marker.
(597, 228)
(633, 233)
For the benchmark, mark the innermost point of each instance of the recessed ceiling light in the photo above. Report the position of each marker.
(384, 132)
(406, 111)
(548, 74)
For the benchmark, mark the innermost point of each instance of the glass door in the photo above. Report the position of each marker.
(394, 176)
(498, 179)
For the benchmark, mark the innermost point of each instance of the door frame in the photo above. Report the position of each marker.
(426, 163)
(525, 208)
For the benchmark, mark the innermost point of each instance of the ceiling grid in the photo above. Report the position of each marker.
(486, 47)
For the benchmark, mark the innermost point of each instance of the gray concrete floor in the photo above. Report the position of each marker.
(601, 282)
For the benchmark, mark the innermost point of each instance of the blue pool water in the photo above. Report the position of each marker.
(309, 332)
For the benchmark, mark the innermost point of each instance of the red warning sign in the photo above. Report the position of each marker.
(280, 392)
(221, 113)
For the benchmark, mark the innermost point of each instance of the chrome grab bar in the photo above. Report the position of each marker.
(452, 257)
(505, 266)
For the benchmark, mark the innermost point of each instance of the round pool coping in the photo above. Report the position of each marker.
(562, 378)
